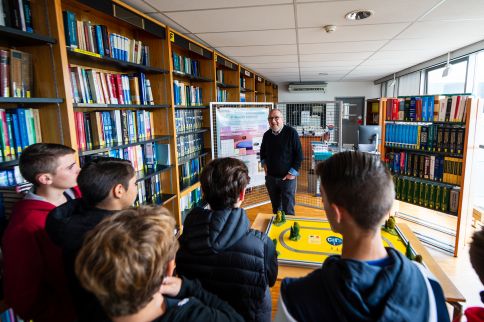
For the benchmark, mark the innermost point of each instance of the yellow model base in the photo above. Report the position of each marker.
(317, 241)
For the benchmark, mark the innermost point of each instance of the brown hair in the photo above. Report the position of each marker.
(359, 183)
(99, 176)
(41, 158)
(222, 180)
(124, 258)
(476, 253)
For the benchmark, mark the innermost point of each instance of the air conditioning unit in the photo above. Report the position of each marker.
(308, 87)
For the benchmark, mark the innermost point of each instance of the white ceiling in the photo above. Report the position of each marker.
(283, 40)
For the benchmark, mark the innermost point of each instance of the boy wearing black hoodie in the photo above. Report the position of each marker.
(368, 282)
(107, 185)
(218, 247)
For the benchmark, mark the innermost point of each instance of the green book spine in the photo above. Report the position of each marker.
(398, 188)
(440, 139)
(438, 197)
(415, 165)
(430, 138)
(421, 194)
(445, 199)
(426, 195)
(403, 193)
(460, 140)
(410, 190)
(416, 192)
(432, 196)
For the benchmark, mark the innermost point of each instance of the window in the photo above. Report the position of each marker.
(454, 82)
(479, 75)
(409, 84)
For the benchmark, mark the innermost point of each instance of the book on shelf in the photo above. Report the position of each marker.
(222, 95)
(190, 172)
(447, 138)
(186, 65)
(438, 108)
(186, 94)
(188, 120)
(149, 191)
(16, 14)
(16, 76)
(20, 127)
(90, 86)
(106, 128)
(433, 195)
(242, 97)
(220, 76)
(190, 201)
(84, 36)
(189, 144)
(13, 178)
(243, 82)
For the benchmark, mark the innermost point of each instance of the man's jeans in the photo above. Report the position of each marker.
(282, 194)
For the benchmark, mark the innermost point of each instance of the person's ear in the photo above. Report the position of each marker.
(242, 195)
(338, 213)
(44, 178)
(118, 191)
(170, 268)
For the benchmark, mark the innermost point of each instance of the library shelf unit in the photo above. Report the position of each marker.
(33, 56)
(227, 79)
(193, 75)
(432, 169)
(260, 89)
(268, 91)
(275, 93)
(247, 85)
(137, 120)
(371, 113)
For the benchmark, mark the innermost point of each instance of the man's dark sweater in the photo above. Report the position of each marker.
(281, 152)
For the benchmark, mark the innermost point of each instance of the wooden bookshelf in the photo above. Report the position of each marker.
(201, 74)
(371, 113)
(247, 85)
(260, 89)
(268, 91)
(440, 229)
(115, 16)
(275, 93)
(227, 79)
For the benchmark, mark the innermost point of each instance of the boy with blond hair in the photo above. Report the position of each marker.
(128, 260)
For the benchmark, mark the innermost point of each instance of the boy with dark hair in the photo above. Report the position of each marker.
(218, 247)
(107, 185)
(368, 282)
(476, 254)
(34, 280)
(128, 260)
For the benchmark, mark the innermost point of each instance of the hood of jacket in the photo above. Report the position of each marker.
(212, 231)
(362, 292)
(67, 224)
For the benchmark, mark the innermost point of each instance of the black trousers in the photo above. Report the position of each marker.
(282, 194)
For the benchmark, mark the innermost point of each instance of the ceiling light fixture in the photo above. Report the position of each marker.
(359, 14)
(392, 83)
(322, 74)
(446, 70)
(329, 28)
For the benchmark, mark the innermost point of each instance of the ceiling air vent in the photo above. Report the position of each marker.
(308, 87)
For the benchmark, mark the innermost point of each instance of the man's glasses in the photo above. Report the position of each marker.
(275, 118)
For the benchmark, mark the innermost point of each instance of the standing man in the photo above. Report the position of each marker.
(281, 156)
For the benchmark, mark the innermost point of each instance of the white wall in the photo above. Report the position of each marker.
(334, 89)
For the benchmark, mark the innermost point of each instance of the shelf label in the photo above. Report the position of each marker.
(85, 52)
(172, 36)
(259, 79)
(247, 73)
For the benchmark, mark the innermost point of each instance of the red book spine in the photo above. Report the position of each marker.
(119, 88)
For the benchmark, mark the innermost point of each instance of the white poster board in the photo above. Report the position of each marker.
(239, 134)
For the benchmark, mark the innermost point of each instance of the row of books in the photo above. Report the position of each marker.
(16, 14)
(220, 76)
(438, 196)
(146, 158)
(9, 197)
(94, 86)
(427, 108)
(149, 191)
(432, 138)
(222, 95)
(11, 177)
(431, 167)
(16, 78)
(19, 128)
(186, 94)
(242, 97)
(190, 172)
(188, 120)
(188, 144)
(107, 128)
(186, 65)
(190, 201)
(89, 37)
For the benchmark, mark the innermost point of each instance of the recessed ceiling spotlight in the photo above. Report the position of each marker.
(358, 14)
